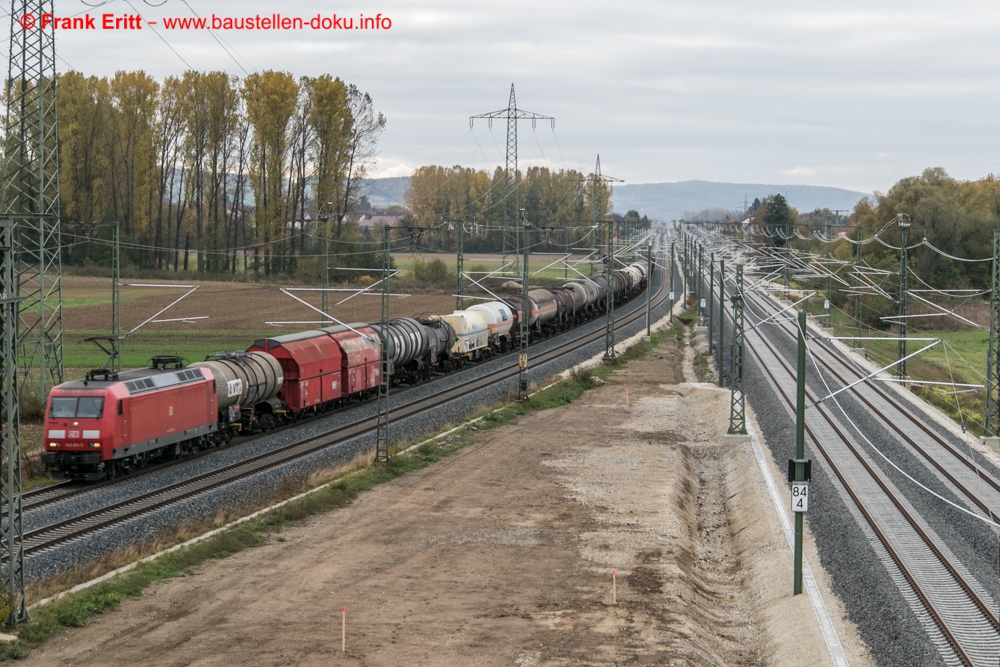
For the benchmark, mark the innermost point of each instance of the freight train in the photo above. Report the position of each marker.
(111, 423)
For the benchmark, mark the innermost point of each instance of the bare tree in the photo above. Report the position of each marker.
(361, 152)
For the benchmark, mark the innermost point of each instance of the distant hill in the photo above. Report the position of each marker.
(670, 201)
(387, 192)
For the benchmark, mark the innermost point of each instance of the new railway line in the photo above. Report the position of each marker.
(54, 535)
(955, 609)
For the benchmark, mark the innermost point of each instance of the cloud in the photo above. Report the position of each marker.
(664, 90)
(398, 169)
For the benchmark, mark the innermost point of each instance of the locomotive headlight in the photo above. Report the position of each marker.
(95, 445)
(53, 444)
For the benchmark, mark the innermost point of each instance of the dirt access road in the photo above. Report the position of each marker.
(502, 554)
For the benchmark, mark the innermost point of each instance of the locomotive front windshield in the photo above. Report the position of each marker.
(88, 407)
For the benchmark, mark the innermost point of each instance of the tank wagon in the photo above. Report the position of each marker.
(111, 423)
(499, 322)
(409, 345)
(247, 385)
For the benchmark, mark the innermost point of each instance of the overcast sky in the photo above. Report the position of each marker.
(849, 94)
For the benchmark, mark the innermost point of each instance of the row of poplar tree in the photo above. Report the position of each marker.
(228, 171)
(562, 204)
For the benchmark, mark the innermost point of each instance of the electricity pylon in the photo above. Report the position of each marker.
(30, 196)
(511, 199)
(29, 209)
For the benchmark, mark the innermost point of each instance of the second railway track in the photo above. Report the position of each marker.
(956, 611)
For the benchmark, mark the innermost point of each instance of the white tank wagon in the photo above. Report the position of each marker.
(500, 319)
(472, 333)
(636, 274)
(640, 267)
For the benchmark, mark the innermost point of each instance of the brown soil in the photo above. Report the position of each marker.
(502, 554)
(230, 306)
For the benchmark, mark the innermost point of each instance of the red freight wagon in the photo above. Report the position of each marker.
(106, 424)
(362, 351)
(311, 365)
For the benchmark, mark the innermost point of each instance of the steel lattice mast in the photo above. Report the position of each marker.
(698, 278)
(597, 204)
(711, 303)
(324, 218)
(857, 294)
(32, 271)
(460, 270)
(992, 429)
(511, 199)
(673, 262)
(904, 228)
(609, 321)
(30, 196)
(524, 319)
(737, 404)
(385, 367)
(722, 320)
(11, 540)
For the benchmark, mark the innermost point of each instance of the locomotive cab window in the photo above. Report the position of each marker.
(63, 407)
(90, 408)
(86, 407)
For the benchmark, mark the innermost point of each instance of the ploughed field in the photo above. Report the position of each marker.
(229, 306)
(237, 314)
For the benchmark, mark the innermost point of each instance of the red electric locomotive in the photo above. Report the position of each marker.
(110, 423)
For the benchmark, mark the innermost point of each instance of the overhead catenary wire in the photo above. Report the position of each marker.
(987, 520)
(161, 37)
(216, 38)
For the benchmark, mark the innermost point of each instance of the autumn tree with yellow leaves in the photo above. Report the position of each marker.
(229, 172)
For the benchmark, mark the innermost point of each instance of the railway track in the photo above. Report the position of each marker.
(57, 534)
(45, 495)
(952, 606)
(67, 489)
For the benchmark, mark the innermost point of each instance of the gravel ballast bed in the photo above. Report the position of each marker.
(873, 602)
